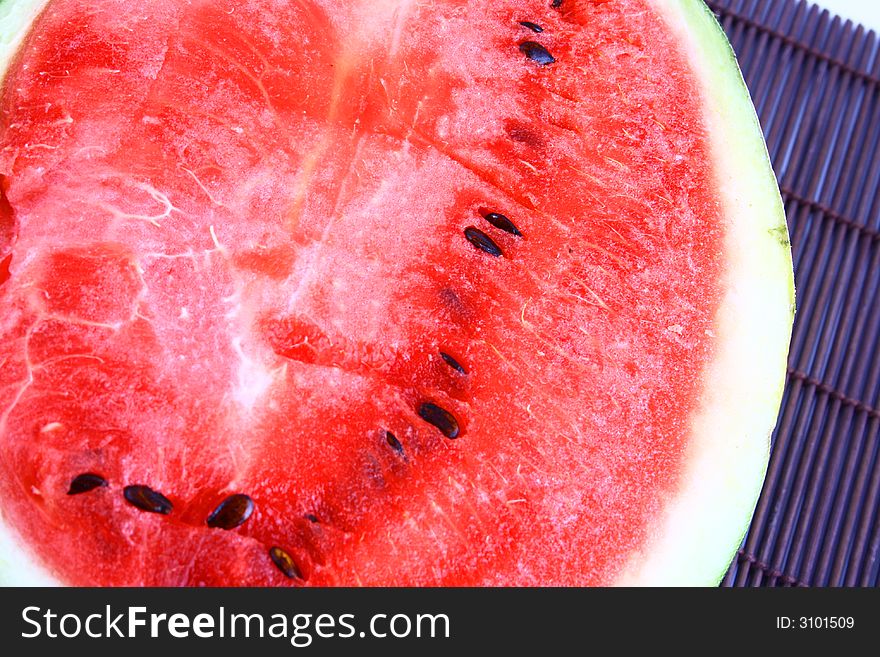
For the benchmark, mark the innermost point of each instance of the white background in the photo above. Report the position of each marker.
(866, 12)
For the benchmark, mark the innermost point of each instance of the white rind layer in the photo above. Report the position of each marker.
(16, 17)
(702, 525)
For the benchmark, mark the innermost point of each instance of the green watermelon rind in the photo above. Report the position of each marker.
(16, 16)
(703, 521)
(697, 535)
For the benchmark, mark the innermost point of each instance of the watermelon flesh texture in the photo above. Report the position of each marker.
(233, 247)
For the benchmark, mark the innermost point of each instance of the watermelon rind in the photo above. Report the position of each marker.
(16, 17)
(694, 541)
(704, 519)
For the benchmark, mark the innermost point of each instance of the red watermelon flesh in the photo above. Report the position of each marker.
(234, 255)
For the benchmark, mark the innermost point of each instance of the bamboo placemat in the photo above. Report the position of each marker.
(815, 80)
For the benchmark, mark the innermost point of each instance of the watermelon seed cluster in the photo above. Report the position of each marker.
(429, 411)
(534, 50)
(232, 512)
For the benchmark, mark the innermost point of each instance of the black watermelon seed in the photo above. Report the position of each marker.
(311, 517)
(285, 562)
(534, 27)
(454, 364)
(536, 52)
(393, 442)
(482, 241)
(85, 482)
(231, 512)
(440, 418)
(502, 222)
(146, 499)
(556, 4)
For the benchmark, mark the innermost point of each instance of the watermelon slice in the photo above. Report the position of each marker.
(382, 292)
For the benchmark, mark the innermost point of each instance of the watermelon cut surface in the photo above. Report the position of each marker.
(382, 293)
